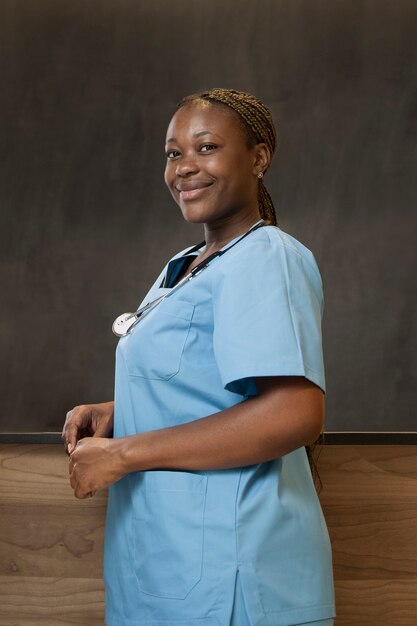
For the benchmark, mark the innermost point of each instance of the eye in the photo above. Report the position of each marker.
(172, 154)
(208, 147)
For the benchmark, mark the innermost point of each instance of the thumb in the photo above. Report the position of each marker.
(72, 438)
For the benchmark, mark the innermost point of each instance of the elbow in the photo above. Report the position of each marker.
(294, 409)
(313, 434)
(315, 421)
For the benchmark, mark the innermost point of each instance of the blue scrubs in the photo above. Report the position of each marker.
(176, 541)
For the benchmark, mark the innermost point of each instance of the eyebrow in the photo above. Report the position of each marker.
(199, 134)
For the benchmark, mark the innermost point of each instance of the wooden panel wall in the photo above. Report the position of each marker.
(370, 503)
(51, 544)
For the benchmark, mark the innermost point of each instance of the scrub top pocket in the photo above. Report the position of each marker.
(154, 348)
(168, 531)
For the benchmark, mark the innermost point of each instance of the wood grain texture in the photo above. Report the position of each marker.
(388, 602)
(369, 499)
(51, 545)
(46, 601)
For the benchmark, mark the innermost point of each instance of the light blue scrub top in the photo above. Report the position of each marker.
(176, 539)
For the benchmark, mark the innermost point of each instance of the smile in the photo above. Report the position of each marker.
(192, 189)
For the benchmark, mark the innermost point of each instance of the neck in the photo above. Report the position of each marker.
(218, 234)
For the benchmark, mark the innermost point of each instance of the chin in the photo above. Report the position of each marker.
(194, 216)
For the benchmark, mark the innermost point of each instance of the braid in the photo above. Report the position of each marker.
(266, 207)
(256, 121)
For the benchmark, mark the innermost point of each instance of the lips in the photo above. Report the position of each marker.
(192, 189)
(190, 185)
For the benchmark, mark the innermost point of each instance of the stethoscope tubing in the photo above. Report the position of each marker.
(125, 323)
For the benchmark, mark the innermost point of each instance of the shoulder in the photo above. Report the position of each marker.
(274, 238)
(271, 249)
(280, 239)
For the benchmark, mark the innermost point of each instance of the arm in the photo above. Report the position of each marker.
(287, 414)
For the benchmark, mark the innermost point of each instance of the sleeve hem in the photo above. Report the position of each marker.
(231, 383)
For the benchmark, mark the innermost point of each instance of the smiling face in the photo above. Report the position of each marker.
(211, 169)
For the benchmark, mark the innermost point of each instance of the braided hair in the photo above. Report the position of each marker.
(258, 125)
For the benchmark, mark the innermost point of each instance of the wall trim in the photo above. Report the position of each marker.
(330, 438)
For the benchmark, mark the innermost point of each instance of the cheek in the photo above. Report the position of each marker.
(168, 175)
(238, 173)
(239, 179)
(169, 178)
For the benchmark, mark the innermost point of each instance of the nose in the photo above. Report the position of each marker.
(186, 166)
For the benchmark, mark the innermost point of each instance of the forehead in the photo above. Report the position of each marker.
(202, 116)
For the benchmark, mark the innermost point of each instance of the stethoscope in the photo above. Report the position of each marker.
(125, 323)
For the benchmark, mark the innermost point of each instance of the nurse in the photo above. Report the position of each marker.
(213, 518)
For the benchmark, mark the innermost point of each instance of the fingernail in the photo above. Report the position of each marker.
(70, 448)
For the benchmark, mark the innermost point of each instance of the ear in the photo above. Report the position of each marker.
(262, 158)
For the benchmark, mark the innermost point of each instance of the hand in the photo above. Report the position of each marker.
(87, 420)
(95, 464)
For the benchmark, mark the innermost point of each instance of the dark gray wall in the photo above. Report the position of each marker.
(87, 89)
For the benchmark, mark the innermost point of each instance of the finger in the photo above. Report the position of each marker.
(73, 481)
(78, 493)
(74, 423)
(81, 494)
(71, 437)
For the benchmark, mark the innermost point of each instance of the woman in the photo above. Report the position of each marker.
(213, 519)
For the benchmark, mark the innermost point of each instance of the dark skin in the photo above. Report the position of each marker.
(212, 174)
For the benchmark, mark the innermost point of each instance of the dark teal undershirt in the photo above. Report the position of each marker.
(176, 270)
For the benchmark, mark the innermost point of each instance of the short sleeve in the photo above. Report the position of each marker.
(268, 306)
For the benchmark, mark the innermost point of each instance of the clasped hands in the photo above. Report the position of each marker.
(94, 458)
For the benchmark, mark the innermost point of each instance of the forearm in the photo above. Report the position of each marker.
(254, 431)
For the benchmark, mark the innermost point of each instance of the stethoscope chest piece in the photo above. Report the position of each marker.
(123, 324)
